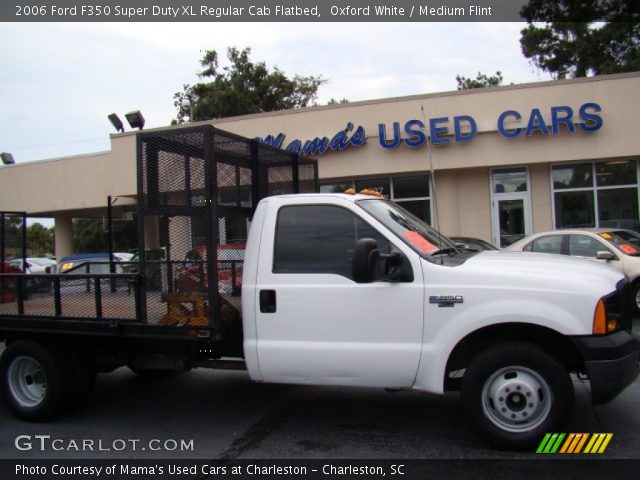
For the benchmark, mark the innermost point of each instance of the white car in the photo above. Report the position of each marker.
(35, 265)
(618, 247)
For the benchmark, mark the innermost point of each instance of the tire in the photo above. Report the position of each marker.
(35, 381)
(635, 292)
(514, 393)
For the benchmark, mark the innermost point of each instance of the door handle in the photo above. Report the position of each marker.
(267, 301)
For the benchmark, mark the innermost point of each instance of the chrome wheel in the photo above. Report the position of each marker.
(26, 381)
(516, 399)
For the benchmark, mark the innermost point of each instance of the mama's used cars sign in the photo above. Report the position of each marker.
(444, 130)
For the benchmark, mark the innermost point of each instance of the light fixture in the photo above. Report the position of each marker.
(7, 158)
(116, 122)
(135, 119)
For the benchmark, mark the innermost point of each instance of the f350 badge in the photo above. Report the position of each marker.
(445, 300)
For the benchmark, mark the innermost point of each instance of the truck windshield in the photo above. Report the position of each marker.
(425, 240)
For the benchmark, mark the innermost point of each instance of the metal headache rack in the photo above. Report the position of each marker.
(198, 188)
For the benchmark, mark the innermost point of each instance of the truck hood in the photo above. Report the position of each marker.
(542, 271)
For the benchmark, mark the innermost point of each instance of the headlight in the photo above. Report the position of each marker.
(66, 266)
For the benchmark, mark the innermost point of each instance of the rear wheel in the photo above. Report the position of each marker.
(515, 393)
(34, 381)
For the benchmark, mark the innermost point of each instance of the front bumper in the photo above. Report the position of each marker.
(611, 362)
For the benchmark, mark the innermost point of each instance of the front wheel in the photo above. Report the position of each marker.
(514, 393)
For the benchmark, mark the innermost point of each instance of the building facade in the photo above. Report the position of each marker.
(495, 163)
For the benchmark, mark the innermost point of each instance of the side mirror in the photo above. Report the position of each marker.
(605, 255)
(362, 264)
(369, 264)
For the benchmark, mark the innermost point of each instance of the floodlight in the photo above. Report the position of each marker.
(7, 158)
(116, 122)
(135, 119)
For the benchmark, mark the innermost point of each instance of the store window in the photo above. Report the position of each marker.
(596, 194)
(411, 192)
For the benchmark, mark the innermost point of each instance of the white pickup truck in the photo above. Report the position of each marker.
(353, 290)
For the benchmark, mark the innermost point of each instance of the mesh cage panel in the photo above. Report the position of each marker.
(13, 250)
(198, 188)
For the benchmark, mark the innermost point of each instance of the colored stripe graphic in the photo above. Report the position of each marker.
(573, 443)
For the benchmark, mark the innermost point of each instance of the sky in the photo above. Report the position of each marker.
(59, 81)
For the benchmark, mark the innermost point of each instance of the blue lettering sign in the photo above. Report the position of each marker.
(536, 123)
(382, 136)
(592, 121)
(502, 129)
(416, 137)
(565, 119)
(435, 131)
(457, 128)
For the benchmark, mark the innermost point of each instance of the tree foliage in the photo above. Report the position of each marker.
(241, 88)
(90, 235)
(39, 240)
(482, 80)
(577, 38)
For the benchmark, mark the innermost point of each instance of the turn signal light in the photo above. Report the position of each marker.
(600, 319)
(602, 326)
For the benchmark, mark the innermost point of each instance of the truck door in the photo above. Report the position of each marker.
(314, 323)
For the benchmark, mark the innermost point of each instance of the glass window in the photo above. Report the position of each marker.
(319, 239)
(618, 208)
(381, 185)
(546, 244)
(581, 204)
(412, 192)
(572, 176)
(574, 210)
(626, 242)
(510, 180)
(411, 187)
(339, 187)
(584, 246)
(420, 208)
(413, 231)
(617, 172)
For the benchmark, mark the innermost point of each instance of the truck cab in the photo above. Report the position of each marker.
(354, 290)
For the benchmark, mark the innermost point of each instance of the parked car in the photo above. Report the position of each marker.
(471, 243)
(34, 265)
(7, 286)
(620, 248)
(88, 263)
(192, 275)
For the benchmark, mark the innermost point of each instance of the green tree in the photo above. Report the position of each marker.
(39, 240)
(13, 235)
(481, 81)
(241, 88)
(577, 38)
(90, 235)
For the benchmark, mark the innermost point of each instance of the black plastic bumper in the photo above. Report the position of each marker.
(611, 362)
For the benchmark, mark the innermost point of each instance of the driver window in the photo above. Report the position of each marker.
(319, 239)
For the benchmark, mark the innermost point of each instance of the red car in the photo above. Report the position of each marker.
(192, 275)
(7, 290)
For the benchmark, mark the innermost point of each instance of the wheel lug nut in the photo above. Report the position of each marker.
(528, 394)
(501, 399)
(524, 414)
(530, 405)
(518, 388)
(504, 409)
(513, 415)
(507, 390)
